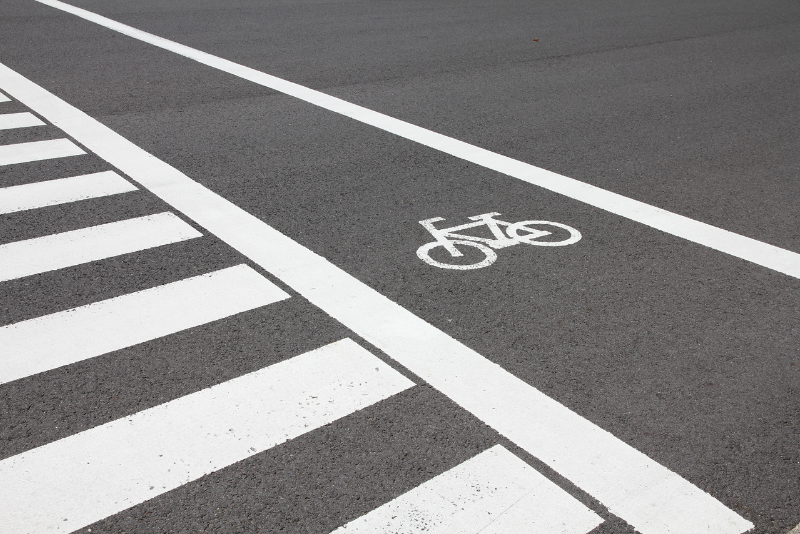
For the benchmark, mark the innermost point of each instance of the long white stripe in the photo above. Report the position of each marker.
(645, 494)
(38, 150)
(493, 493)
(70, 336)
(62, 190)
(9, 121)
(746, 248)
(4, 98)
(73, 482)
(57, 251)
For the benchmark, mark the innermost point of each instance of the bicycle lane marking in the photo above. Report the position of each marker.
(448, 239)
(746, 248)
(651, 498)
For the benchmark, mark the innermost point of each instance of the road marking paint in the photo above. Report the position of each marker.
(492, 493)
(51, 341)
(447, 238)
(62, 191)
(73, 482)
(9, 121)
(57, 251)
(795, 530)
(746, 248)
(651, 498)
(38, 150)
(4, 98)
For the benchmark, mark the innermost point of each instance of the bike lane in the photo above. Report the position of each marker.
(678, 350)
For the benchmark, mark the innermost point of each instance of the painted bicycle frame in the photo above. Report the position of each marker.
(449, 237)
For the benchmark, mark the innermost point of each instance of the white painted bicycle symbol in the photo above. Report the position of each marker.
(527, 232)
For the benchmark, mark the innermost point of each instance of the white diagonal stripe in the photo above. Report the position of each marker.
(57, 251)
(62, 338)
(73, 482)
(10, 121)
(62, 190)
(38, 150)
(493, 493)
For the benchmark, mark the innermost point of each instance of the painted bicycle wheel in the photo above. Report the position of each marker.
(526, 232)
(489, 255)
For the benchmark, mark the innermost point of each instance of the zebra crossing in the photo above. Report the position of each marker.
(63, 191)
(62, 338)
(58, 251)
(18, 120)
(506, 494)
(73, 482)
(38, 150)
(154, 451)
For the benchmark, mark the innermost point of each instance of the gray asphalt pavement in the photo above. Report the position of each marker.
(689, 355)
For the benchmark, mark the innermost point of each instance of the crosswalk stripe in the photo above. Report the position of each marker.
(650, 497)
(57, 251)
(62, 190)
(492, 493)
(73, 482)
(51, 341)
(9, 121)
(4, 98)
(38, 150)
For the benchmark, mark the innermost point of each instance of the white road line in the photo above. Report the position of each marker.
(746, 248)
(4, 98)
(73, 482)
(38, 150)
(9, 121)
(651, 498)
(62, 191)
(44, 343)
(57, 251)
(795, 530)
(493, 493)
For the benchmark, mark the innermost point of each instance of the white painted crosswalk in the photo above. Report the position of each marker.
(62, 191)
(57, 251)
(492, 493)
(66, 337)
(38, 150)
(10, 121)
(4, 98)
(78, 480)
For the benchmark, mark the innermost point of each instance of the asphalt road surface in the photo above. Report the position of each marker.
(220, 312)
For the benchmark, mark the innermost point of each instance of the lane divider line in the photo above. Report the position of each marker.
(650, 497)
(4, 98)
(66, 249)
(38, 150)
(737, 245)
(9, 121)
(52, 341)
(62, 191)
(78, 480)
(494, 492)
